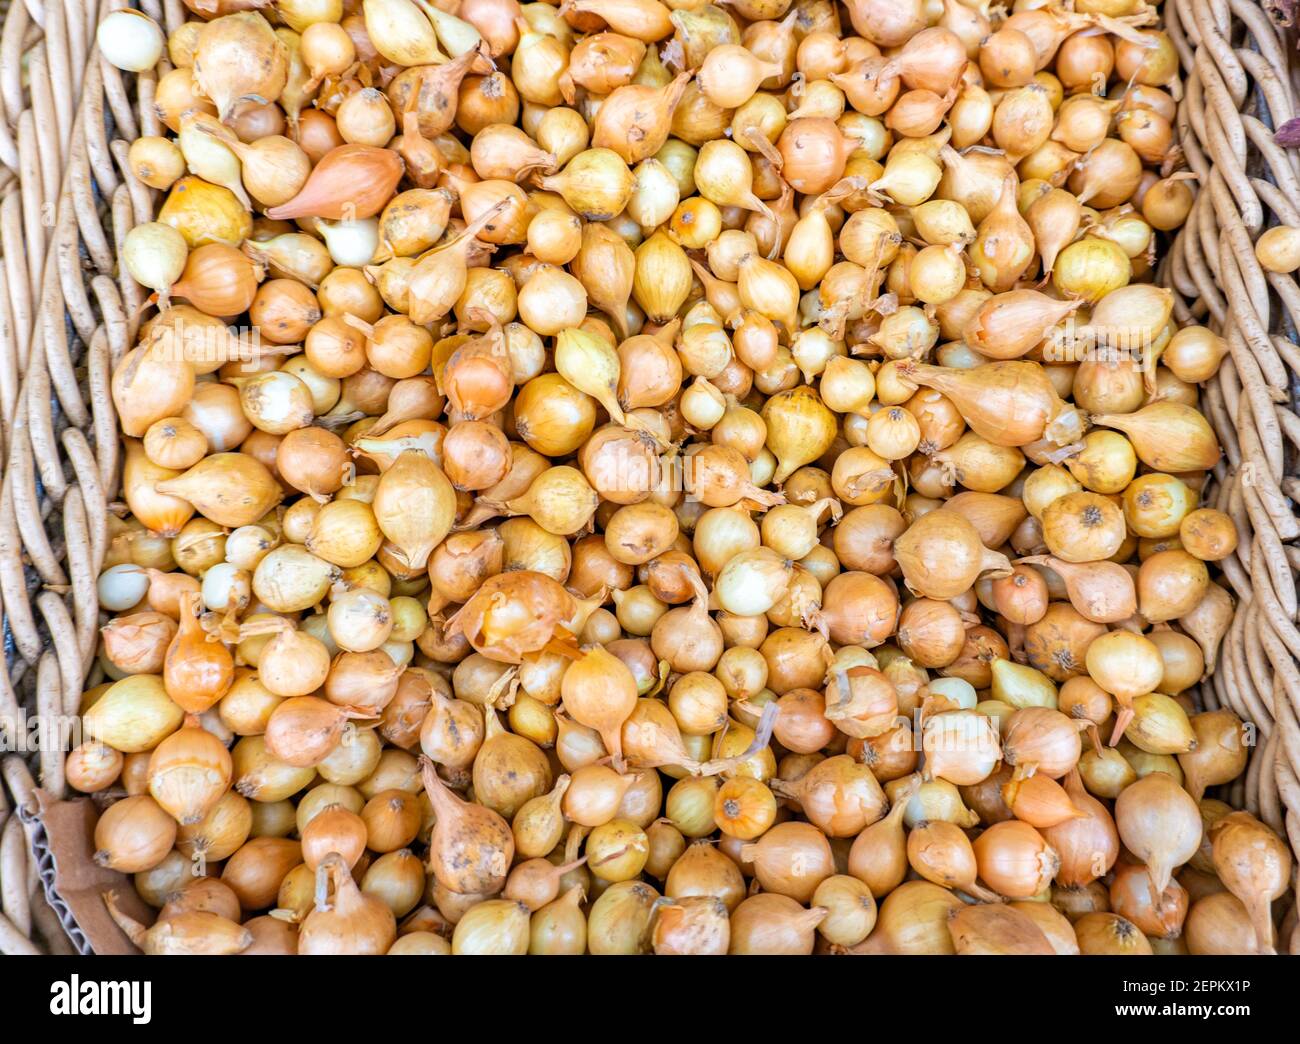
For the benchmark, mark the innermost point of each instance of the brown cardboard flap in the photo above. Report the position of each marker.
(78, 882)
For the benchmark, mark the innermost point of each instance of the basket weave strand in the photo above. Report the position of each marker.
(1240, 84)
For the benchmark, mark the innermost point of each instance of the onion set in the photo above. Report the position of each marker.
(635, 477)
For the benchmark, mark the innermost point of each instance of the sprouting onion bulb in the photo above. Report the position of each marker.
(628, 477)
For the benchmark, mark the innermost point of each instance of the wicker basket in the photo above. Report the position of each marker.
(66, 315)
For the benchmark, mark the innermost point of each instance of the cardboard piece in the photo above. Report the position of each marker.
(75, 883)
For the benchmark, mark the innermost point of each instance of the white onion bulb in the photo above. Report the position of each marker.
(130, 40)
(121, 586)
(351, 243)
(154, 255)
(225, 586)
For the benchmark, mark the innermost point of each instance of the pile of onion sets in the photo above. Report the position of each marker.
(636, 476)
